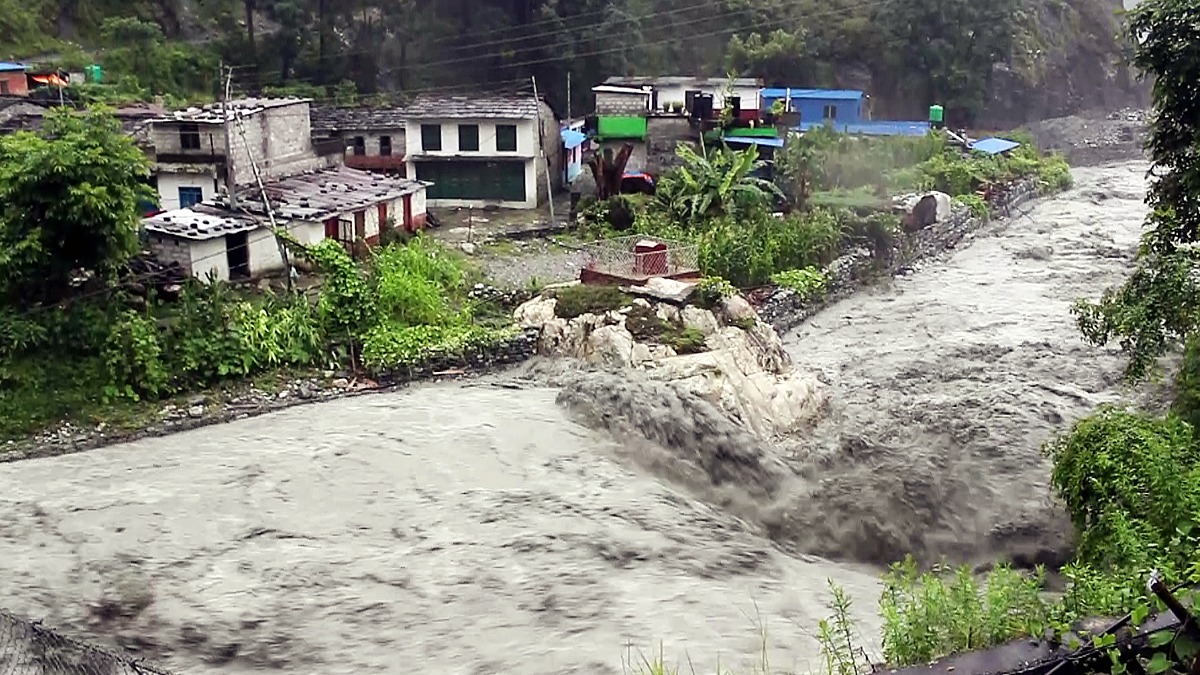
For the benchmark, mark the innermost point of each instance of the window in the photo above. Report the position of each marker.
(189, 196)
(431, 137)
(831, 112)
(506, 138)
(189, 136)
(360, 146)
(385, 146)
(468, 137)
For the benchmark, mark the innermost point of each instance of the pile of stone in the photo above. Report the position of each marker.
(744, 370)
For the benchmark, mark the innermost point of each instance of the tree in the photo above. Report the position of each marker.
(781, 60)
(68, 201)
(943, 51)
(1158, 307)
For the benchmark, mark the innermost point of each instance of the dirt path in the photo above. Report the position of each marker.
(444, 529)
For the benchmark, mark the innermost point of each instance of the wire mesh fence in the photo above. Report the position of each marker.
(640, 257)
(29, 648)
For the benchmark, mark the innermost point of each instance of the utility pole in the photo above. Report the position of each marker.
(262, 190)
(568, 94)
(537, 102)
(230, 179)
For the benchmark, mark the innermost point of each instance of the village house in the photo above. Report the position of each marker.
(483, 150)
(670, 92)
(191, 160)
(340, 203)
(575, 144)
(373, 138)
(12, 80)
(844, 110)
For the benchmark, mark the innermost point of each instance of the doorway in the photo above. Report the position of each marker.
(237, 253)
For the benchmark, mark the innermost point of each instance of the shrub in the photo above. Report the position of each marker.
(412, 284)
(1054, 174)
(712, 290)
(390, 346)
(133, 356)
(1132, 486)
(808, 283)
(975, 203)
(581, 299)
(932, 614)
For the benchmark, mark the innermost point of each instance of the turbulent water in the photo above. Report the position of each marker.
(514, 526)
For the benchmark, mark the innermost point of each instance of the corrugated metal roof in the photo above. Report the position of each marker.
(472, 106)
(751, 140)
(572, 138)
(994, 146)
(874, 128)
(315, 196)
(6, 66)
(675, 81)
(197, 224)
(816, 94)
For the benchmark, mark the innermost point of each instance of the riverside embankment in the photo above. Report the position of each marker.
(482, 527)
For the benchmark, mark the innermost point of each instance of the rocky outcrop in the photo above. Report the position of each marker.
(742, 369)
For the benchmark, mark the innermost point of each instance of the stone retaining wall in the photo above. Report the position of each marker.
(784, 309)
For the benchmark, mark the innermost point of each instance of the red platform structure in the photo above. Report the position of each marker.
(634, 260)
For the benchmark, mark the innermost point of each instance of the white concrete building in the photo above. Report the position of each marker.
(671, 90)
(344, 204)
(192, 162)
(479, 150)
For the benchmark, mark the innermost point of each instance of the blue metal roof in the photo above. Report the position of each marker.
(818, 94)
(994, 146)
(753, 140)
(6, 66)
(874, 128)
(572, 138)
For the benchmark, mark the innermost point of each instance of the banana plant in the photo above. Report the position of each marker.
(719, 184)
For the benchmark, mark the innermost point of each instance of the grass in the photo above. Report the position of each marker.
(582, 299)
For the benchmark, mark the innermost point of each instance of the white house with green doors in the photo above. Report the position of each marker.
(482, 150)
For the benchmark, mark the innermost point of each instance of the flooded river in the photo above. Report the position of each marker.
(483, 529)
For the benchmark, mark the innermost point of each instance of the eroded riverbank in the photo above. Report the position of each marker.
(448, 528)
(478, 528)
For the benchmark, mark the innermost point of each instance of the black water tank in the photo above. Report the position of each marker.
(735, 102)
(702, 107)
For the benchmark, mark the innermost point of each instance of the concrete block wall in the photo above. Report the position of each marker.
(172, 250)
(609, 103)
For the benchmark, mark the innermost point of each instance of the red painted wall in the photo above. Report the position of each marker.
(15, 83)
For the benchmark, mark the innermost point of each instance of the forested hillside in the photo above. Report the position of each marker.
(993, 62)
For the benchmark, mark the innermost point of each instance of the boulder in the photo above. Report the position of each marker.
(700, 319)
(667, 290)
(610, 345)
(535, 313)
(736, 310)
(668, 313)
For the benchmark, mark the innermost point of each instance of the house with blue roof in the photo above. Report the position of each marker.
(841, 109)
(840, 106)
(12, 79)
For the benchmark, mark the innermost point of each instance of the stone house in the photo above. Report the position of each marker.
(340, 203)
(192, 162)
(672, 90)
(373, 138)
(484, 149)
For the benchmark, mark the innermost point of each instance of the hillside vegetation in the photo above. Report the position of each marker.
(993, 63)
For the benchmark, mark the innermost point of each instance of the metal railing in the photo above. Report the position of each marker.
(29, 648)
(641, 257)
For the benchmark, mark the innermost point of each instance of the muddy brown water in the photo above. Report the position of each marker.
(514, 526)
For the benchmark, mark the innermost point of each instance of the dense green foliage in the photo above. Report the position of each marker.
(908, 54)
(836, 184)
(69, 199)
(1129, 480)
(1156, 309)
(70, 196)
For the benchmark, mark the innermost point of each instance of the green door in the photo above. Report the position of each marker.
(475, 180)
